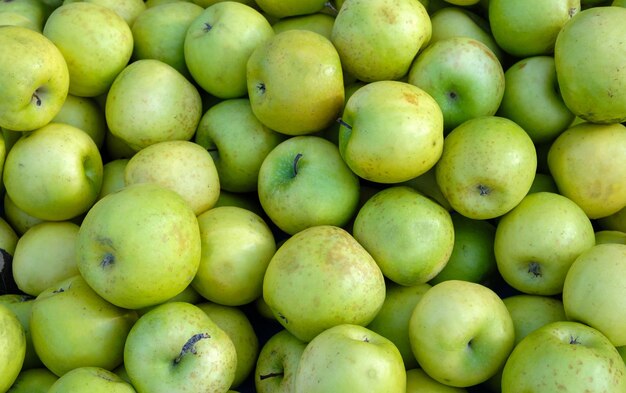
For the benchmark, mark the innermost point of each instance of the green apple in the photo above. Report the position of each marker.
(565, 356)
(322, 277)
(159, 33)
(392, 321)
(237, 141)
(95, 41)
(285, 8)
(84, 113)
(54, 173)
(530, 312)
(176, 347)
(238, 327)
(19, 220)
(90, 380)
(589, 55)
(319, 22)
(207, 3)
(8, 237)
(13, 343)
(115, 147)
(10, 18)
(277, 363)
(532, 99)
(294, 70)
(619, 3)
(21, 305)
(72, 326)
(188, 295)
(530, 27)
(543, 182)
(461, 333)
(303, 182)
(151, 102)
(410, 236)
(426, 184)
(127, 9)
(245, 200)
(487, 166)
(181, 166)
(219, 42)
(34, 11)
(378, 39)
(615, 221)
(608, 236)
(588, 164)
(113, 176)
(35, 80)
(472, 257)
(537, 242)
(593, 290)
(463, 75)
(417, 381)
(380, 153)
(34, 380)
(350, 358)
(139, 246)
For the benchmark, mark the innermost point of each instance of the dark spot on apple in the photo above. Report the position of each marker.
(206, 27)
(60, 290)
(483, 189)
(452, 95)
(190, 346)
(572, 11)
(389, 15)
(366, 340)
(261, 87)
(470, 342)
(107, 260)
(343, 123)
(270, 375)
(284, 318)
(296, 159)
(535, 269)
(573, 340)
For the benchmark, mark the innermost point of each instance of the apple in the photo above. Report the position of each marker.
(188, 295)
(319, 22)
(461, 333)
(21, 305)
(8, 237)
(35, 12)
(350, 358)
(176, 347)
(139, 246)
(487, 167)
(532, 99)
(285, 8)
(417, 381)
(589, 55)
(35, 80)
(207, 3)
(537, 242)
(115, 147)
(277, 363)
(13, 343)
(84, 113)
(383, 154)
(304, 182)
(10, 18)
(150, 102)
(33, 380)
(219, 42)
(409, 236)
(159, 33)
(543, 182)
(19, 220)
(594, 288)
(296, 69)
(113, 176)
(615, 221)
(564, 355)
(426, 184)
(237, 141)
(95, 41)
(245, 200)
(530, 312)
(378, 39)
(608, 236)
(72, 326)
(92, 380)
(127, 9)
(321, 277)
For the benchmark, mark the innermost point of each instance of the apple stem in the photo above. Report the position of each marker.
(190, 346)
(270, 375)
(37, 99)
(343, 123)
(295, 163)
(331, 6)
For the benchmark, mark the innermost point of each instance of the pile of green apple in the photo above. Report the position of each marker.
(311, 196)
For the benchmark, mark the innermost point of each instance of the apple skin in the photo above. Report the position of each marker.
(320, 23)
(350, 358)
(21, 305)
(33, 380)
(417, 381)
(36, 77)
(92, 380)
(13, 342)
(608, 236)
(564, 355)
(277, 363)
(18, 218)
(285, 8)
(615, 221)
(113, 176)
(127, 9)
(33, 12)
(83, 113)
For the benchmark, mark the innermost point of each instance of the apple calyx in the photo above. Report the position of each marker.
(271, 375)
(574, 340)
(107, 260)
(295, 163)
(535, 269)
(206, 27)
(343, 123)
(261, 87)
(483, 189)
(190, 346)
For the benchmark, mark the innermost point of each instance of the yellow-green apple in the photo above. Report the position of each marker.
(84, 113)
(383, 154)
(392, 321)
(593, 292)
(285, 8)
(237, 141)
(319, 22)
(426, 183)
(619, 3)
(537, 242)
(19, 220)
(378, 39)
(127, 9)
(529, 28)
(350, 358)
(487, 166)
(472, 257)
(409, 235)
(159, 33)
(13, 343)
(95, 41)
(181, 166)
(615, 221)
(463, 75)
(34, 12)
(245, 200)
(33, 380)
(277, 363)
(566, 356)
(238, 327)
(91, 379)
(35, 80)
(590, 58)
(8, 237)
(219, 42)
(417, 381)
(113, 176)
(72, 326)
(115, 147)
(21, 305)
(461, 333)
(588, 164)
(543, 182)
(304, 182)
(322, 277)
(10, 18)
(207, 3)
(144, 230)
(176, 347)
(151, 102)
(237, 246)
(54, 173)
(294, 70)
(532, 99)
(188, 295)
(608, 236)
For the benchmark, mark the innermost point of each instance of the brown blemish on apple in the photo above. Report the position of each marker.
(190, 346)
(389, 15)
(410, 98)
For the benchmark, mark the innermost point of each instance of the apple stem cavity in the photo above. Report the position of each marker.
(452, 95)
(190, 346)
(270, 375)
(107, 260)
(535, 269)
(343, 123)
(295, 163)
(483, 190)
(36, 98)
